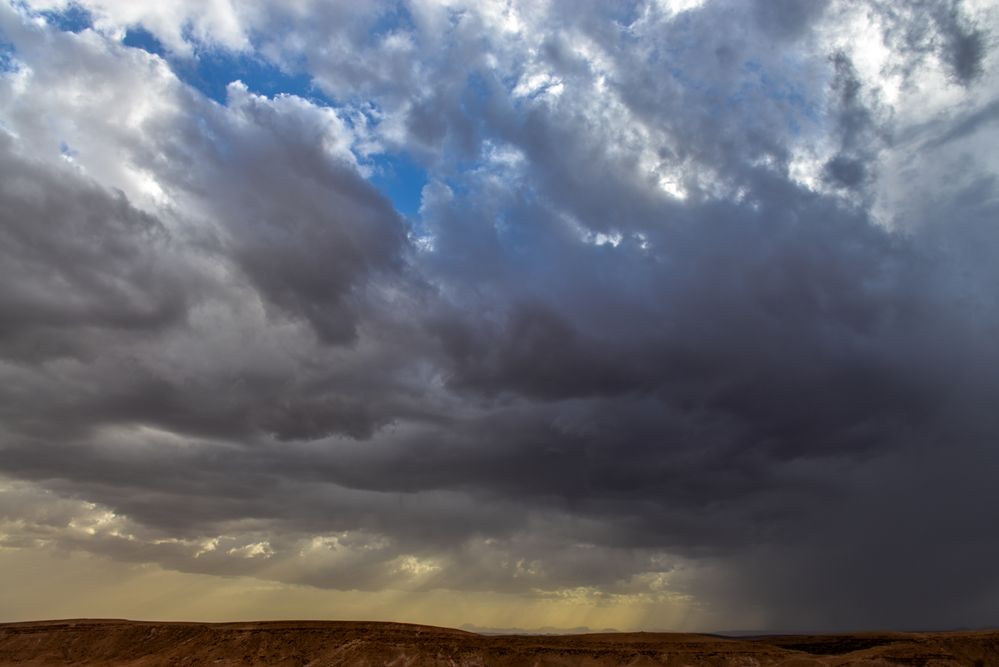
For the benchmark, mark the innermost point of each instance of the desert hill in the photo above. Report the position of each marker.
(330, 643)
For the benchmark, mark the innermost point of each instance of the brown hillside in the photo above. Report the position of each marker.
(329, 643)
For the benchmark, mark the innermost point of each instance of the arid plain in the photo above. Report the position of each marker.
(329, 643)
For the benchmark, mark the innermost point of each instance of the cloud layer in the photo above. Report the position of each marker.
(698, 309)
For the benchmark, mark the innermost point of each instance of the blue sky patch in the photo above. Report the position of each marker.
(140, 38)
(392, 20)
(67, 151)
(72, 19)
(8, 61)
(212, 70)
(400, 179)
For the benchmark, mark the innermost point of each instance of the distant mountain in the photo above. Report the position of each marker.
(546, 630)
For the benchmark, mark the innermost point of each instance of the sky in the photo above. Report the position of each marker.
(648, 315)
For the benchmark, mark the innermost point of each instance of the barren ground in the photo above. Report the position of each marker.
(315, 643)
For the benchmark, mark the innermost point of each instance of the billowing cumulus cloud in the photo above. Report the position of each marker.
(696, 314)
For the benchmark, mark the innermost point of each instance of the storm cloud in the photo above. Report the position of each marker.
(698, 306)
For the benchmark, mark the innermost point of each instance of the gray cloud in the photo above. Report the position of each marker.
(941, 28)
(302, 224)
(78, 261)
(625, 336)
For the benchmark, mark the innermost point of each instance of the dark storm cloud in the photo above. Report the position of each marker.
(788, 18)
(754, 343)
(76, 261)
(304, 226)
(578, 373)
(961, 46)
(860, 125)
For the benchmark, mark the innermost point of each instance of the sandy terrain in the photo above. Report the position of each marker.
(315, 643)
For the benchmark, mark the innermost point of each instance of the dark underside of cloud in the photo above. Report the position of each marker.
(562, 362)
